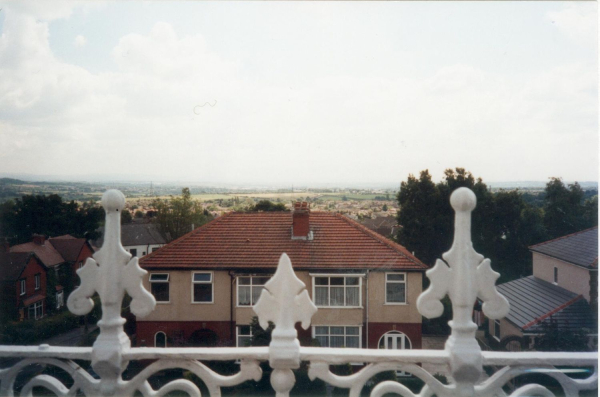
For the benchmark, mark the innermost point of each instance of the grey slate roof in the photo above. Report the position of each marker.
(579, 248)
(136, 234)
(531, 299)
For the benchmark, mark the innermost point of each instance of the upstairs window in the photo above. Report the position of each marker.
(37, 278)
(337, 291)
(337, 336)
(202, 287)
(159, 286)
(23, 287)
(249, 288)
(395, 288)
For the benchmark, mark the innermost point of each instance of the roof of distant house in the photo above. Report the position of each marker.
(46, 252)
(534, 302)
(257, 240)
(136, 234)
(68, 246)
(383, 225)
(12, 264)
(579, 248)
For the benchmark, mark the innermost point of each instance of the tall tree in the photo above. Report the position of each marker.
(179, 215)
(50, 216)
(565, 211)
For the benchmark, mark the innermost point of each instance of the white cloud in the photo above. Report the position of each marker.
(578, 20)
(80, 41)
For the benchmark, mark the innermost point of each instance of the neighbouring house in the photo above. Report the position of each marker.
(62, 255)
(22, 286)
(139, 239)
(563, 289)
(387, 226)
(207, 281)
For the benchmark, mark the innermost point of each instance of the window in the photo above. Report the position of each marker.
(159, 286)
(60, 299)
(35, 310)
(497, 329)
(249, 288)
(37, 278)
(143, 253)
(23, 288)
(80, 264)
(244, 335)
(555, 275)
(155, 249)
(133, 251)
(395, 288)
(202, 289)
(337, 291)
(160, 339)
(337, 336)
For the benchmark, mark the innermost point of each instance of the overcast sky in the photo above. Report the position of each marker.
(299, 93)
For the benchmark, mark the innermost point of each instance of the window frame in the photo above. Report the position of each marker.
(39, 304)
(237, 334)
(359, 276)
(60, 299)
(314, 334)
(212, 289)
(396, 282)
(237, 288)
(496, 324)
(166, 343)
(23, 286)
(167, 281)
(37, 281)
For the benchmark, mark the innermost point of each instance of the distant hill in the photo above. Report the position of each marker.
(11, 181)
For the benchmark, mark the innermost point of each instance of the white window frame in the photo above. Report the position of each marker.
(156, 334)
(161, 282)
(39, 304)
(497, 337)
(23, 287)
(329, 275)
(38, 281)
(60, 299)
(237, 333)
(396, 282)
(314, 333)
(212, 282)
(237, 282)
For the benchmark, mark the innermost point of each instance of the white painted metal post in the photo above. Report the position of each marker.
(284, 301)
(111, 273)
(467, 278)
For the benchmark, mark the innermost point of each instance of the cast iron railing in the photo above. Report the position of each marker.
(464, 276)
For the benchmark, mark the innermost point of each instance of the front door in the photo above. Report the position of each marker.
(394, 341)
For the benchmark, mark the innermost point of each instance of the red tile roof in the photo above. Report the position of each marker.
(47, 253)
(257, 240)
(68, 246)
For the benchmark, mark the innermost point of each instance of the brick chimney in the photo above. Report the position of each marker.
(39, 239)
(300, 221)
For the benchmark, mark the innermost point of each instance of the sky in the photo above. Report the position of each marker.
(299, 93)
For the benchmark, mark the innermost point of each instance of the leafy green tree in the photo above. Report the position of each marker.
(565, 210)
(50, 216)
(384, 208)
(126, 216)
(268, 206)
(139, 214)
(556, 339)
(179, 215)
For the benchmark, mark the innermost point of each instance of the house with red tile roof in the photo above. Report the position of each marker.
(22, 286)
(206, 282)
(62, 255)
(563, 290)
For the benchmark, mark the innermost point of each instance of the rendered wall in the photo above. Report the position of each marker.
(571, 277)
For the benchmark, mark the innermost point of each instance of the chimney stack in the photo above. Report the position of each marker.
(300, 221)
(39, 239)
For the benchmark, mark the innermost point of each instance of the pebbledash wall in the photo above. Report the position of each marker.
(180, 317)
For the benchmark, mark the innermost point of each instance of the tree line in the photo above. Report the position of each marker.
(504, 224)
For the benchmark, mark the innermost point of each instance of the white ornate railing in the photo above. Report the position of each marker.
(464, 276)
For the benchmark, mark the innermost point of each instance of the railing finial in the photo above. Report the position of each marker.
(111, 274)
(284, 301)
(469, 276)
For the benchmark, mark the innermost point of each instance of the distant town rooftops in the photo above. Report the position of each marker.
(579, 248)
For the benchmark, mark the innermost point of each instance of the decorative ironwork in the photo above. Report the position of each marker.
(464, 275)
